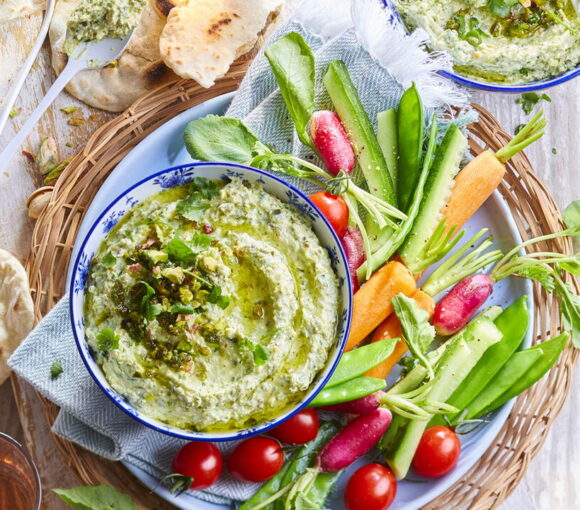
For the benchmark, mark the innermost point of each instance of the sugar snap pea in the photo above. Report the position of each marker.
(271, 487)
(551, 351)
(361, 360)
(348, 390)
(410, 122)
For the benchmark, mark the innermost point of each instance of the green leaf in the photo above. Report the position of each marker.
(149, 310)
(530, 99)
(467, 28)
(223, 302)
(571, 214)
(101, 497)
(56, 369)
(261, 354)
(501, 8)
(215, 138)
(292, 63)
(201, 192)
(543, 275)
(200, 242)
(571, 266)
(179, 251)
(182, 308)
(303, 502)
(570, 308)
(108, 259)
(107, 340)
(417, 330)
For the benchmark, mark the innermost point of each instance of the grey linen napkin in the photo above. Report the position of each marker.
(87, 416)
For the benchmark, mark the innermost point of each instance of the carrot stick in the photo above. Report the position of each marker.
(473, 186)
(391, 328)
(372, 303)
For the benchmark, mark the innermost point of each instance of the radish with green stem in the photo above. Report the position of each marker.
(455, 310)
(331, 142)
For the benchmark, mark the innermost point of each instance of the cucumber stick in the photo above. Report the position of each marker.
(455, 364)
(388, 140)
(437, 191)
(370, 158)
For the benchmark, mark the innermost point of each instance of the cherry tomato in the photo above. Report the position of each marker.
(437, 453)
(256, 459)
(372, 487)
(202, 461)
(300, 429)
(334, 209)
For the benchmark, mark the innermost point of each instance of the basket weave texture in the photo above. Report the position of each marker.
(499, 470)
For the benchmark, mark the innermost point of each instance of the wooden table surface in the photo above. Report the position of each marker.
(553, 479)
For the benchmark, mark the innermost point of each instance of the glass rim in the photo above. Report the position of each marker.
(31, 464)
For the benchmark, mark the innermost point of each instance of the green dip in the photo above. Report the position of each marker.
(212, 307)
(95, 20)
(498, 42)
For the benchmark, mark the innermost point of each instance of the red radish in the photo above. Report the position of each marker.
(331, 142)
(363, 405)
(455, 310)
(354, 440)
(353, 245)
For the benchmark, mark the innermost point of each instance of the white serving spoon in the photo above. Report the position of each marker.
(92, 55)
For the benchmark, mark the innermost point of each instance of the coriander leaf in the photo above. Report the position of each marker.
(467, 28)
(542, 274)
(181, 308)
(193, 208)
(215, 293)
(223, 302)
(200, 242)
(101, 497)
(501, 8)
(108, 259)
(152, 310)
(148, 289)
(530, 99)
(215, 138)
(107, 340)
(207, 188)
(179, 251)
(261, 354)
(417, 330)
(56, 369)
(571, 266)
(292, 63)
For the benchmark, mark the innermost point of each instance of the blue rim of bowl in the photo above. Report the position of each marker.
(208, 436)
(490, 86)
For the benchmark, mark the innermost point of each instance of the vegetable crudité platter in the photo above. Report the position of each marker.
(440, 339)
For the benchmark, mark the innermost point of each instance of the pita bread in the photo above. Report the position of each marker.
(202, 38)
(138, 70)
(16, 309)
(164, 6)
(12, 9)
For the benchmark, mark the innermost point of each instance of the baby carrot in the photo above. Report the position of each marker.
(372, 303)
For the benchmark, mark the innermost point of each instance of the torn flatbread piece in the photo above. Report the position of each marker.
(202, 38)
(16, 309)
(12, 9)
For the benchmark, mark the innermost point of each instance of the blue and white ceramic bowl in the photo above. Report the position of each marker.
(485, 85)
(176, 176)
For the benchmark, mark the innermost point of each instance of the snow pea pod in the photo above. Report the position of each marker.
(271, 487)
(361, 360)
(410, 122)
(551, 351)
(513, 324)
(347, 391)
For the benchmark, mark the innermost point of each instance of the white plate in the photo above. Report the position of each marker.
(164, 148)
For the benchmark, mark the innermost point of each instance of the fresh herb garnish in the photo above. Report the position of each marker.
(501, 8)
(101, 497)
(149, 310)
(107, 340)
(197, 203)
(108, 259)
(530, 99)
(56, 369)
(260, 354)
(179, 251)
(200, 242)
(467, 28)
(216, 297)
(182, 308)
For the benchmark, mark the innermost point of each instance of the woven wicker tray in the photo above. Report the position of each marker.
(496, 474)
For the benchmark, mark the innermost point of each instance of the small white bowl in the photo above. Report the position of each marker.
(176, 176)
